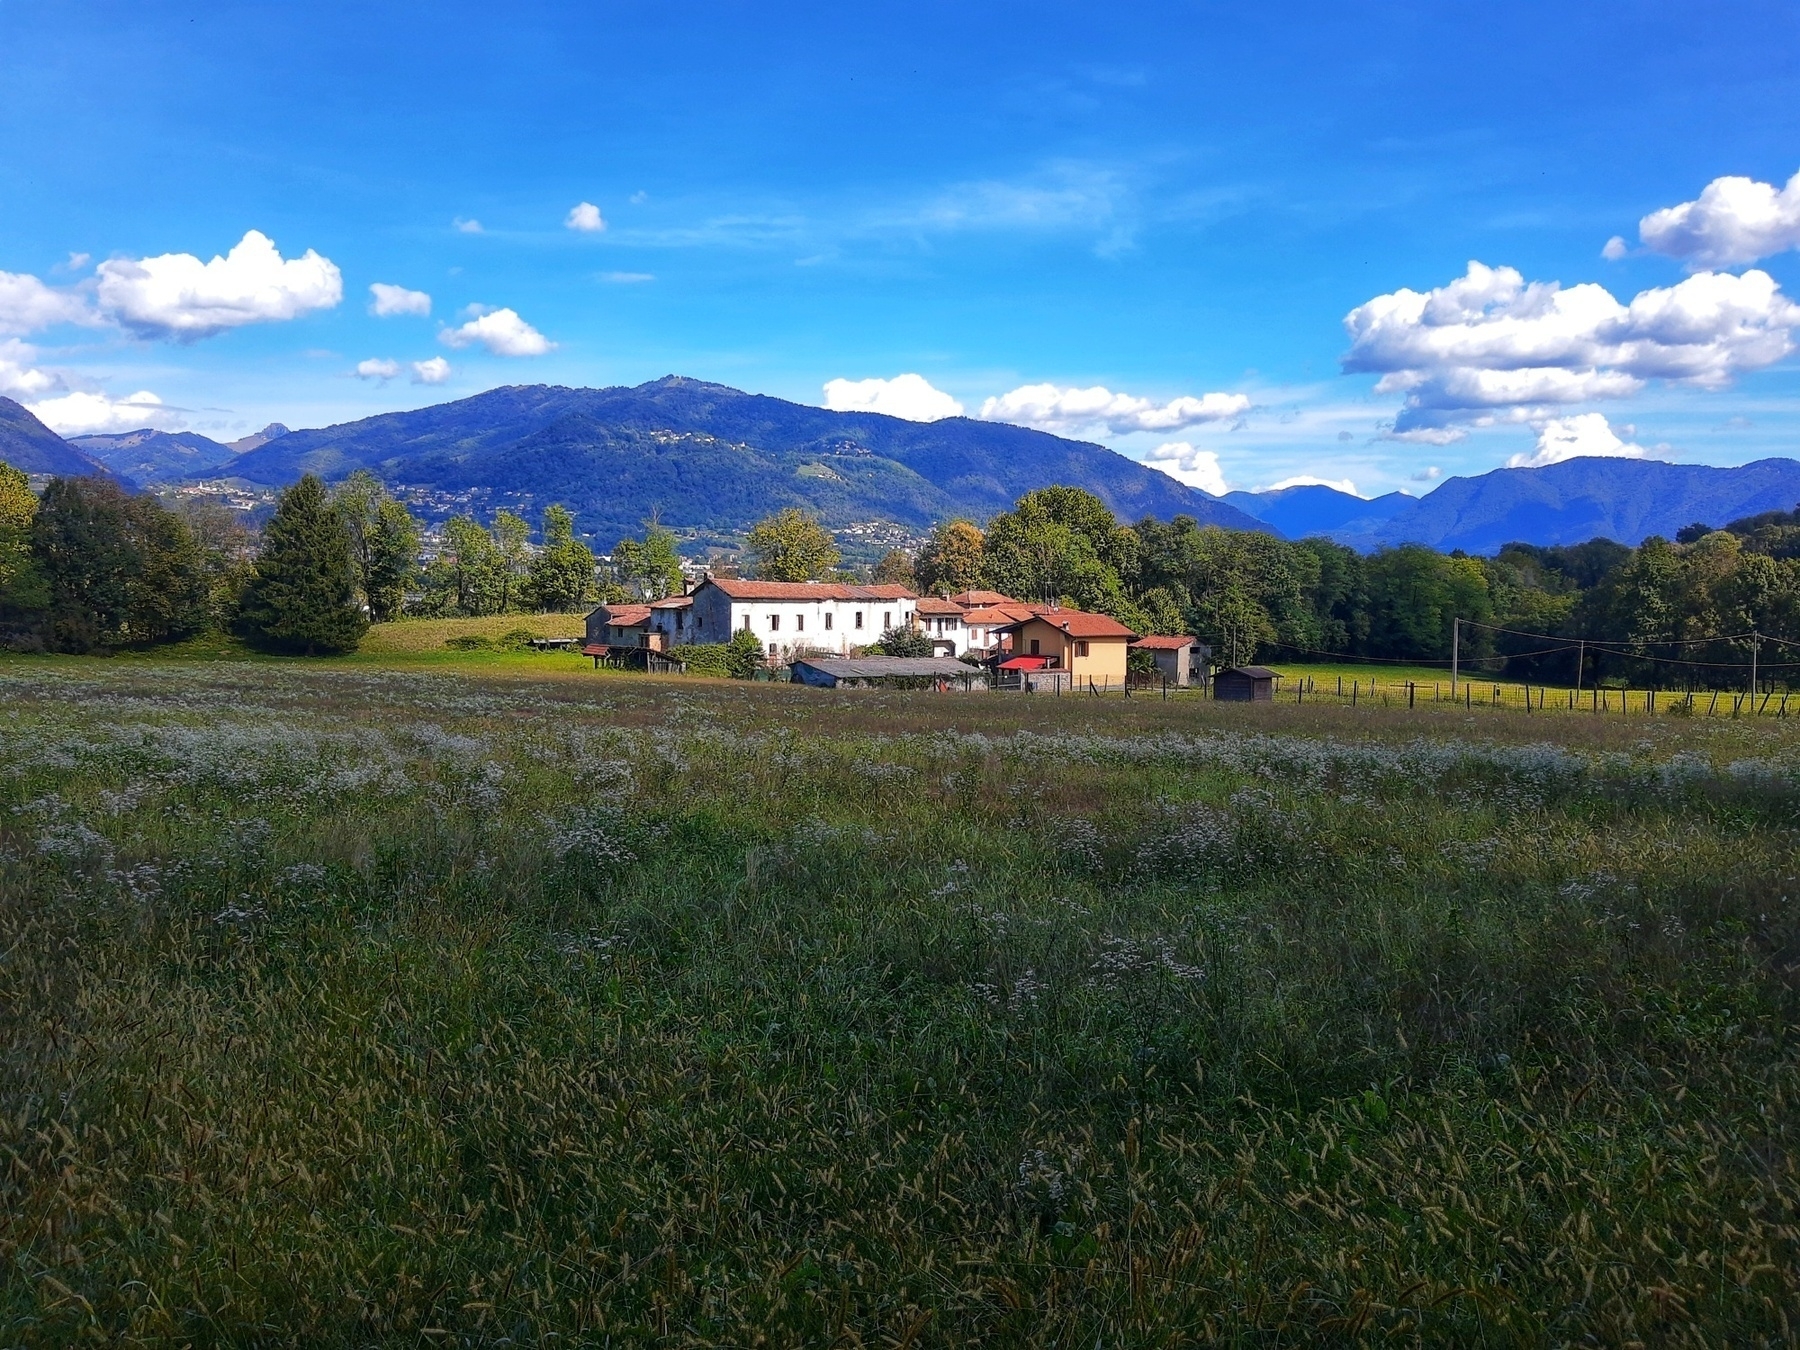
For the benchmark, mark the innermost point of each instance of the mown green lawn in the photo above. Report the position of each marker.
(367, 1003)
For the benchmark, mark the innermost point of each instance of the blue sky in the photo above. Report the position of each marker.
(1013, 202)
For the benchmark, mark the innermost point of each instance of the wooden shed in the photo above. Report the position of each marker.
(1245, 684)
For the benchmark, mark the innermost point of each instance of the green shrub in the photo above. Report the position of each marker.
(704, 658)
(470, 642)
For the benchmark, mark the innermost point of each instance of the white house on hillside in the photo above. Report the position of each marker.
(787, 616)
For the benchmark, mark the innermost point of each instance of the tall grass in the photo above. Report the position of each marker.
(350, 1007)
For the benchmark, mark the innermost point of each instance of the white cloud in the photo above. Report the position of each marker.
(1491, 347)
(1049, 407)
(1197, 468)
(1307, 480)
(434, 370)
(1614, 249)
(1430, 473)
(585, 218)
(467, 226)
(1734, 220)
(27, 305)
(627, 278)
(502, 332)
(175, 295)
(79, 414)
(390, 301)
(19, 376)
(908, 396)
(377, 368)
(1561, 438)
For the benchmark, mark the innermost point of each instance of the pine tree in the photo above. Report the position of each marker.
(303, 597)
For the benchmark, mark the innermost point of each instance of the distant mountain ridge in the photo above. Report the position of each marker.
(712, 459)
(148, 457)
(31, 447)
(1313, 508)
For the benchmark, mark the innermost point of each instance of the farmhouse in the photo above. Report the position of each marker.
(1245, 684)
(942, 622)
(1175, 658)
(619, 626)
(1088, 647)
(796, 616)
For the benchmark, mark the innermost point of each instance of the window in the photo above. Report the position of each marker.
(699, 621)
(1081, 649)
(681, 618)
(1034, 646)
(859, 618)
(774, 623)
(887, 619)
(800, 623)
(827, 621)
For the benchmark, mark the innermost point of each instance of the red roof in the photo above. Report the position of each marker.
(1078, 622)
(996, 616)
(1025, 663)
(806, 590)
(595, 649)
(626, 616)
(930, 604)
(1161, 642)
(673, 602)
(981, 599)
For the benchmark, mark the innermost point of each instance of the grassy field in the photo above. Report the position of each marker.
(360, 1005)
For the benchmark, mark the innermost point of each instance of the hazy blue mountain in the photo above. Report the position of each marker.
(1625, 500)
(147, 458)
(1316, 509)
(712, 459)
(31, 447)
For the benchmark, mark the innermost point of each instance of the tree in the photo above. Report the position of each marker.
(512, 538)
(384, 541)
(792, 546)
(650, 567)
(464, 578)
(895, 568)
(951, 561)
(903, 642)
(744, 655)
(23, 592)
(562, 574)
(1060, 543)
(117, 570)
(302, 598)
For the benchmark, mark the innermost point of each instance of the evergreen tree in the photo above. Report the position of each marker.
(744, 655)
(303, 596)
(562, 574)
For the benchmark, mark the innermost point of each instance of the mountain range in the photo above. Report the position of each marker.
(708, 460)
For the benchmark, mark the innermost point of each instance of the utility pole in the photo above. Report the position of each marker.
(1455, 653)
(1755, 642)
(1580, 661)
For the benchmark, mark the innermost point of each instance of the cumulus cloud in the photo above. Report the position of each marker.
(1561, 438)
(27, 305)
(1197, 468)
(501, 331)
(377, 368)
(585, 218)
(19, 376)
(175, 295)
(87, 414)
(1430, 473)
(1615, 248)
(908, 396)
(1734, 220)
(389, 301)
(1049, 407)
(434, 370)
(1491, 347)
(1307, 480)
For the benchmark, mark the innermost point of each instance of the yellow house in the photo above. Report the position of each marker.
(1071, 642)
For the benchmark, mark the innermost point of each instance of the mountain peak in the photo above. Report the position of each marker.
(31, 447)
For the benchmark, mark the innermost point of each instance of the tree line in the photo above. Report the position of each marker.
(1672, 608)
(90, 567)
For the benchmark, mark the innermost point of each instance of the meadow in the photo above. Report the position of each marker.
(365, 1003)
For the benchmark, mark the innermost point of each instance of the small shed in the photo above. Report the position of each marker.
(1245, 684)
(1174, 656)
(834, 672)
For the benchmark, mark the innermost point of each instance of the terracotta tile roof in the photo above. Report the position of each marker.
(672, 602)
(930, 604)
(1162, 642)
(807, 590)
(981, 599)
(996, 616)
(626, 616)
(1078, 622)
